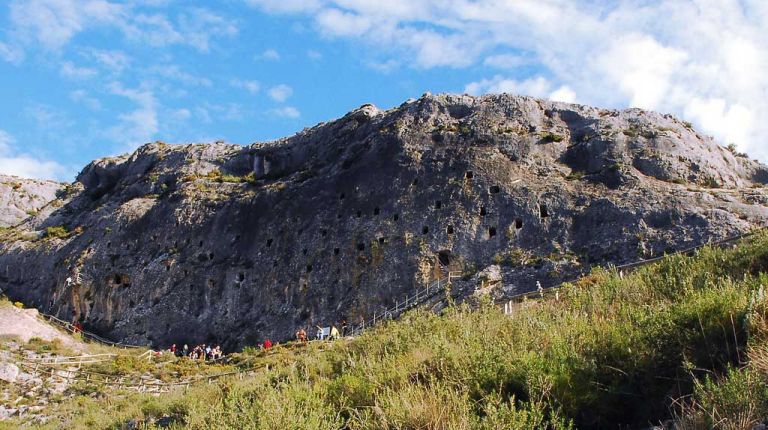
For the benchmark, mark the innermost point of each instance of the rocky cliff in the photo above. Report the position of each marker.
(21, 198)
(233, 243)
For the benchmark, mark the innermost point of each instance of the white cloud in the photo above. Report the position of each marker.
(82, 96)
(286, 112)
(700, 59)
(537, 87)
(10, 53)
(199, 26)
(252, 87)
(284, 6)
(506, 61)
(181, 115)
(114, 61)
(140, 125)
(280, 93)
(172, 71)
(13, 162)
(386, 66)
(6, 141)
(314, 55)
(269, 54)
(52, 23)
(70, 70)
(563, 94)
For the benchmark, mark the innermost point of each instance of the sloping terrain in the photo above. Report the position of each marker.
(232, 244)
(21, 198)
(681, 344)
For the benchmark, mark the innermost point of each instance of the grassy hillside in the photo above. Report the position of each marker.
(685, 339)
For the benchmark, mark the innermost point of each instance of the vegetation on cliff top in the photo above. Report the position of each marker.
(683, 340)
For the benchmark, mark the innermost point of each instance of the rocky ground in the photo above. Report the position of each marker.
(233, 244)
(21, 198)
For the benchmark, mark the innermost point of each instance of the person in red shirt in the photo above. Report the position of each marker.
(267, 344)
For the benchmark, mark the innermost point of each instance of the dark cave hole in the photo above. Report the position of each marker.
(450, 229)
(269, 243)
(395, 217)
(361, 246)
(335, 251)
(438, 204)
(425, 230)
(444, 257)
(518, 223)
(469, 174)
(543, 212)
(376, 211)
(483, 212)
(309, 268)
(491, 231)
(495, 189)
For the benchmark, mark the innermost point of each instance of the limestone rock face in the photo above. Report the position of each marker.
(22, 198)
(228, 243)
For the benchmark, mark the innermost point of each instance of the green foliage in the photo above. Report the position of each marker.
(43, 346)
(551, 137)
(56, 232)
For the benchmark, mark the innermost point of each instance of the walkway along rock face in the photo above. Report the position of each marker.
(236, 244)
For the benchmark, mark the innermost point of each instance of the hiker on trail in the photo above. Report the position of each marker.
(267, 344)
(216, 353)
(301, 335)
(172, 349)
(185, 351)
(343, 327)
(334, 333)
(78, 328)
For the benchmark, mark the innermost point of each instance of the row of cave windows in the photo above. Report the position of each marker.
(336, 251)
(361, 246)
(495, 189)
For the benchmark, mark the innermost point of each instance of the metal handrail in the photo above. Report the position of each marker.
(409, 302)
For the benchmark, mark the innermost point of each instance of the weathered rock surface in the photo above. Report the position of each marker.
(21, 198)
(8, 372)
(228, 243)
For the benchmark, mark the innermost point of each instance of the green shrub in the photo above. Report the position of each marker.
(551, 137)
(57, 232)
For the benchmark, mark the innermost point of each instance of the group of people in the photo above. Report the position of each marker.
(323, 333)
(199, 352)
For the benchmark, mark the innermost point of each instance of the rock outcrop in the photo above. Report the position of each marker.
(220, 242)
(22, 198)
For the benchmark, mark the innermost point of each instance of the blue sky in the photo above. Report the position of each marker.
(83, 79)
